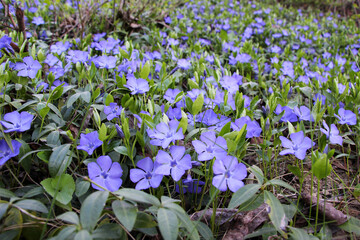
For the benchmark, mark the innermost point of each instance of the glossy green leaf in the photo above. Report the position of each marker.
(243, 194)
(276, 213)
(168, 224)
(69, 217)
(64, 185)
(33, 205)
(59, 160)
(138, 196)
(126, 213)
(92, 208)
(198, 104)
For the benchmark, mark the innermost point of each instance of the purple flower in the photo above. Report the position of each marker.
(183, 64)
(171, 94)
(60, 47)
(76, 56)
(105, 173)
(228, 173)
(28, 68)
(89, 142)
(145, 176)
(289, 114)
(304, 113)
(176, 164)
(241, 58)
(346, 117)
(17, 122)
(51, 60)
(167, 20)
(112, 111)
(332, 134)
(210, 146)
(98, 36)
(164, 134)
(5, 150)
(190, 185)
(297, 146)
(137, 85)
(253, 128)
(108, 62)
(38, 21)
(5, 43)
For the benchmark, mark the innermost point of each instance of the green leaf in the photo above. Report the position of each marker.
(198, 104)
(44, 111)
(243, 194)
(33, 205)
(300, 234)
(72, 99)
(281, 183)
(204, 230)
(352, 226)
(109, 231)
(102, 132)
(59, 160)
(122, 150)
(188, 224)
(168, 224)
(144, 220)
(66, 232)
(3, 208)
(69, 217)
(81, 188)
(138, 196)
(92, 208)
(86, 96)
(258, 173)
(126, 213)
(183, 122)
(83, 235)
(277, 213)
(295, 170)
(225, 129)
(322, 167)
(144, 74)
(65, 186)
(109, 99)
(6, 193)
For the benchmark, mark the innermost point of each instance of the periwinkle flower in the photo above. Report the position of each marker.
(289, 114)
(5, 151)
(137, 85)
(38, 21)
(28, 68)
(332, 133)
(145, 176)
(17, 122)
(171, 94)
(210, 146)
(76, 56)
(297, 146)
(346, 117)
(304, 113)
(105, 173)
(89, 142)
(163, 134)
(228, 173)
(190, 185)
(60, 47)
(183, 64)
(253, 128)
(108, 62)
(112, 111)
(174, 165)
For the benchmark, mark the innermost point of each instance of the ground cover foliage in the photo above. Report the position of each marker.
(179, 120)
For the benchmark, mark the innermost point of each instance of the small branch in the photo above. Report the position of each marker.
(331, 213)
